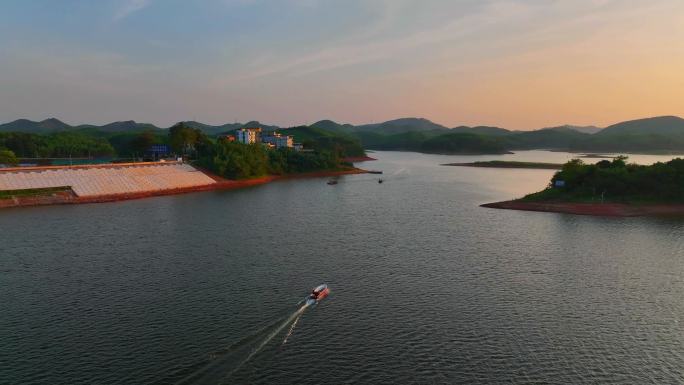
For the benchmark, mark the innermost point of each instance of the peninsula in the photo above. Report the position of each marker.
(609, 188)
(509, 164)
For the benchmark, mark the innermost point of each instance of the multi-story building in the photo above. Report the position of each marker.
(248, 135)
(278, 140)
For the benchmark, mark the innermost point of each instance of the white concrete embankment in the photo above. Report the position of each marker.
(107, 179)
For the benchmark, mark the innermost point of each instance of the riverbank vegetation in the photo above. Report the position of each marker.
(318, 139)
(435, 142)
(33, 192)
(7, 157)
(60, 144)
(239, 161)
(615, 181)
(129, 140)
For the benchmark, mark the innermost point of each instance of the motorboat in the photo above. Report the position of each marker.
(317, 294)
(332, 182)
(379, 180)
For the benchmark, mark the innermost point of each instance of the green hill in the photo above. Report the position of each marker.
(123, 126)
(615, 181)
(320, 139)
(29, 126)
(402, 125)
(659, 134)
(651, 135)
(480, 130)
(464, 143)
(213, 130)
(330, 125)
(405, 141)
(550, 138)
(582, 129)
(661, 125)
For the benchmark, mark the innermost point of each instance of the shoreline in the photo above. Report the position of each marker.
(508, 164)
(69, 197)
(593, 209)
(358, 159)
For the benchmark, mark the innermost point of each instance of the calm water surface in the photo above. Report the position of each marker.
(427, 287)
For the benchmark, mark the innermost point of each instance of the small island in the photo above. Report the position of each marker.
(509, 164)
(609, 188)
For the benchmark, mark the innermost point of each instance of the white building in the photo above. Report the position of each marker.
(278, 140)
(248, 135)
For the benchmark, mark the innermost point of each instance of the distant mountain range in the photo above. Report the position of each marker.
(52, 125)
(583, 129)
(43, 127)
(661, 125)
(663, 133)
(656, 125)
(401, 125)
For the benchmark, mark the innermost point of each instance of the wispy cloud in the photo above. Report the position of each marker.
(129, 7)
(493, 25)
(365, 46)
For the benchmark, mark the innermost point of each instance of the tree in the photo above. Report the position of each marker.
(7, 157)
(183, 138)
(142, 142)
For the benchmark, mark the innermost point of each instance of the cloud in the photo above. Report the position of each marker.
(129, 7)
(380, 41)
(490, 28)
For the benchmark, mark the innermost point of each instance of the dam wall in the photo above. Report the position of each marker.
(93, 181)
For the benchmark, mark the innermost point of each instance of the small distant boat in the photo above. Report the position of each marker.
(317, 294)
(379, 180)
(332, 182)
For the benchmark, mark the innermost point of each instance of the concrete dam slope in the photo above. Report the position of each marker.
(108, 179)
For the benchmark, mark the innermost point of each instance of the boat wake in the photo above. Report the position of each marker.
(294, 317)
(292, 328)
(224, 363)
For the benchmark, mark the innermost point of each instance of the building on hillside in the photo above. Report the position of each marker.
(298, 147)
(278, 140)
(227, 138)
(248, 135)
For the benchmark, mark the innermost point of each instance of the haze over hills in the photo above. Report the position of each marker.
(123, 126)
(655, 125)
(401, 125)
(333, 126)
(481, 130)
(583, 129)
(657, 134)
(42, 127)
(658, 125)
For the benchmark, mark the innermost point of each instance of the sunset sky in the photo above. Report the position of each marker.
(520, 64)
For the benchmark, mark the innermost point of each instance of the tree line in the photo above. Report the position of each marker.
(228, 159)
(240, 161)
(616, 181)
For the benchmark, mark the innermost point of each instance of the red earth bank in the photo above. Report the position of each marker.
(597, 209)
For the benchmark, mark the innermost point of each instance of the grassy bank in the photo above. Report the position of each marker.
(9, 194)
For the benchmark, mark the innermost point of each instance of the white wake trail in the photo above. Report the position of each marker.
(292, 328)
(294, 317)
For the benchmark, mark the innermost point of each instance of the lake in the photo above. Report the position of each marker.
(426, 286)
